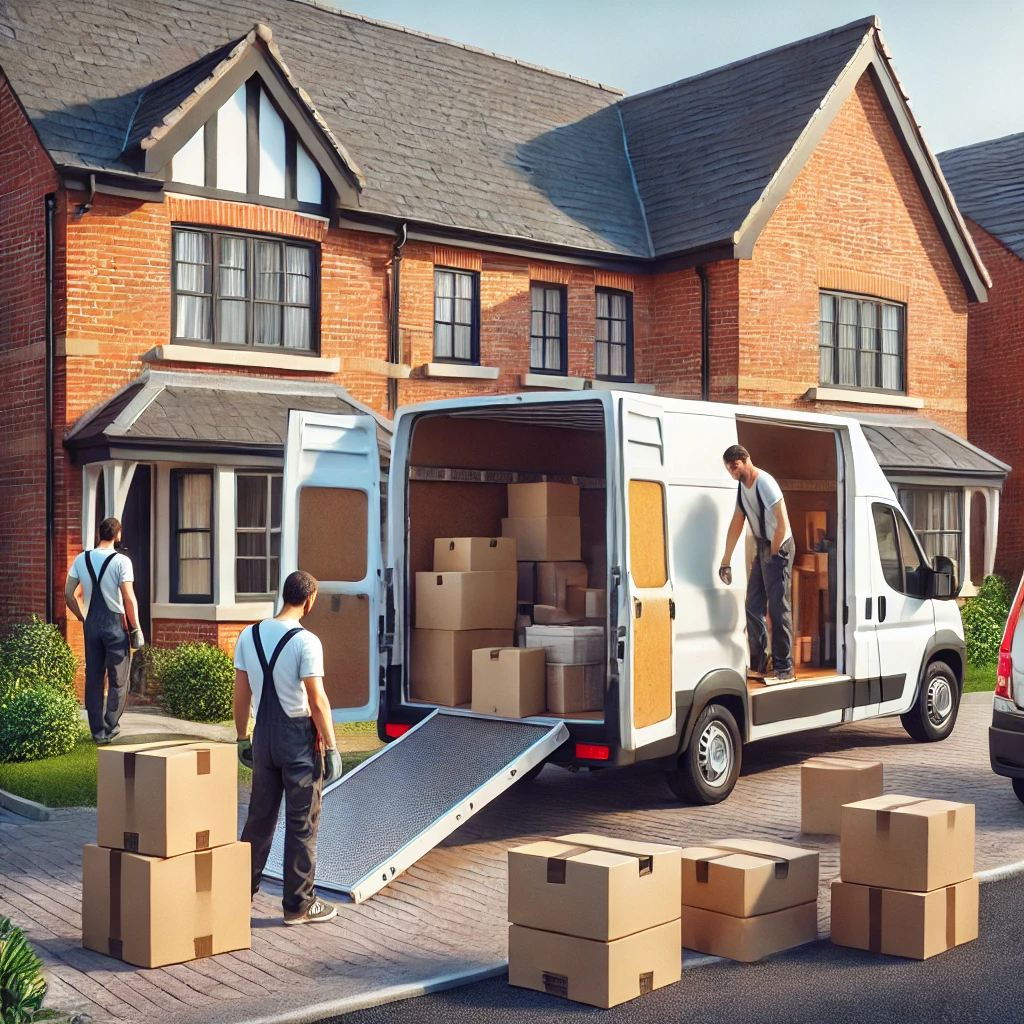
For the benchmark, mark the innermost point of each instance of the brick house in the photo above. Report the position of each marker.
(988, 181)
(210, 221)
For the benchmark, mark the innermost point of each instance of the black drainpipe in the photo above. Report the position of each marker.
(394, 338)
(705, 334)
(51, 205)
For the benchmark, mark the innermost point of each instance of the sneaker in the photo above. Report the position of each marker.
(116, 731)
(101, 739)
(776, 680)
(752, 673)
(316, 913)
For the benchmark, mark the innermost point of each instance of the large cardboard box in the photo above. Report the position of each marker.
(555, 539)
(441, 662)
(901, 842)
(747, 877)
(569, 645)
(466, 600)
(911, 924)
(826, 783)
(586, 602)
(749, 938)
(164, 799)
(554, 580)
(153, 911)
(474, 554)
(508, 682)
(599, 973)
(541, 500)
(593, 887)
(573, 688)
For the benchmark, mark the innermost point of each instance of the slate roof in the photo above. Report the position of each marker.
(912, 446)
(195, 410)
(987, 180)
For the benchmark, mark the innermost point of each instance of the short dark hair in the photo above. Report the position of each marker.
(298, 588)
(734, 453)
(110, 528)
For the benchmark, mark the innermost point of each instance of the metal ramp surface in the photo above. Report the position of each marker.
(397, 805)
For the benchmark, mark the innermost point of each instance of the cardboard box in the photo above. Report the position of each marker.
(602, 974)
(593, 887)
(508, 682)
(554, 580)
(555, 539)
(474, 554)
(573, 688)
(569, 645)
(549, 615)
(526, 591)
(165, 799)
(466, 600)
(153, 911)
(911, 924)
(586, 602)
(749, 938)
(901, 842)
(748, 877)
(441, 662)
(541, 500)
(826, 783)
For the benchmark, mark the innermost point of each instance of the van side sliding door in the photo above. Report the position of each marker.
(646, 604)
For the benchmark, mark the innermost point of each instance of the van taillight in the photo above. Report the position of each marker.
(593, 751)
(1004, 669)
(394, 730)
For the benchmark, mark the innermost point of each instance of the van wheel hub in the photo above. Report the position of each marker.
(940, 700)
(715, 754)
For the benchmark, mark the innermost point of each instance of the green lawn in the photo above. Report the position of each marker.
(979, 679)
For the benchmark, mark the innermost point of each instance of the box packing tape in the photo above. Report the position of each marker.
(875, 918)
(556, 864)
(781, 863)
(558, 984)
(883, 818)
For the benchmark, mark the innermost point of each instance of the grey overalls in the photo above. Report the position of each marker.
(107, 656)
(288, 761)
(770, 583)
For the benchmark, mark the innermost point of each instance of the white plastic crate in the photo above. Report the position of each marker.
(569, 645)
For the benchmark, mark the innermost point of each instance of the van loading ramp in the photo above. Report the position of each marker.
(397, 805)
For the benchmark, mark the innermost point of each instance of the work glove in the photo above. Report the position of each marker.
(245, 752)
(138, 641)
(332, 765)
(725, 574)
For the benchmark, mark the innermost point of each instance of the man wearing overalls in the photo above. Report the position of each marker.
(292, 752)
(105, 579)
(759, 502)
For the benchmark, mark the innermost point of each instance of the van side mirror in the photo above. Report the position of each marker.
(944, 583)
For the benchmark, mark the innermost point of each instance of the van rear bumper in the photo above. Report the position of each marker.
(1006, 744)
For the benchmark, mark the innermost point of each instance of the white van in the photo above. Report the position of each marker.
(656, 502)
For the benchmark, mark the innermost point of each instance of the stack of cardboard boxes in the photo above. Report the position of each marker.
(744, 898)
(907, 877)
(594, 919)
(166, 881)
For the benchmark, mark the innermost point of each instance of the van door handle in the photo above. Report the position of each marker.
(881, 609)
(867, 608)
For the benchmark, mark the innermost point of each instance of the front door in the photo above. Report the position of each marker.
(135, 540)
(330, 527)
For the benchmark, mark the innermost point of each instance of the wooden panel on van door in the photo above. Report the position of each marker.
(652, 661)
(332, 533)
(647, 563)
(342, 622)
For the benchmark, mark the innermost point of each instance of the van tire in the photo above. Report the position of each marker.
(938, 700)
(1018, 789)
(709, 767)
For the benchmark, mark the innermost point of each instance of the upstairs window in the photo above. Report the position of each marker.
(231, 289)
(456, 316)
(548, 329)
(613, 347)
(862, 343)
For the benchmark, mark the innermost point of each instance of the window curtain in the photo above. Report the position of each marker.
(192, 274)
(195, 564)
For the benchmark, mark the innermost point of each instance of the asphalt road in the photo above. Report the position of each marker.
(982, 981)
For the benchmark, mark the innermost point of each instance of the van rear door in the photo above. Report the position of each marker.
(330, 527)
(647, 606)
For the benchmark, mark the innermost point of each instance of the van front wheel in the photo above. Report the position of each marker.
(709, 767)
(934, 712)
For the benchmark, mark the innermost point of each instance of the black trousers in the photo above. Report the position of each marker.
(286, 762)
(107, 660)
(770, 584)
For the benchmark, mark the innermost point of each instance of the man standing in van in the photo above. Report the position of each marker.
(759, 502)
(105, 578)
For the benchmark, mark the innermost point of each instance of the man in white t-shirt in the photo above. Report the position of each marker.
(760, 503)
(111, 619)
(279, 668)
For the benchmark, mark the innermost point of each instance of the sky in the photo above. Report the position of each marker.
(961, 63)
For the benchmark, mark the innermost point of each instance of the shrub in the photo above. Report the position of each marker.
(22, 985)
(198, 682)
(984, 618)
(154, 661)
(36, 653)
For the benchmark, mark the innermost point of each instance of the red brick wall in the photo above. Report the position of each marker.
(854, 210)
(995, 398)
(171, 632)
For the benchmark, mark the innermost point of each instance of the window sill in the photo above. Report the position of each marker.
(820, 394)
(210, 356)
(620, 385)
(247, 611)
(551, 380)
(468, 371)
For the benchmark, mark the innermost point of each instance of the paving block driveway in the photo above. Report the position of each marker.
(447, 914)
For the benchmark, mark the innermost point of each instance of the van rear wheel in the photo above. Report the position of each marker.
(934, 712)
(709, 767)
(1018, 789)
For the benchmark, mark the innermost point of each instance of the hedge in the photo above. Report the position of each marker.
(984, 618)
(198, 682)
